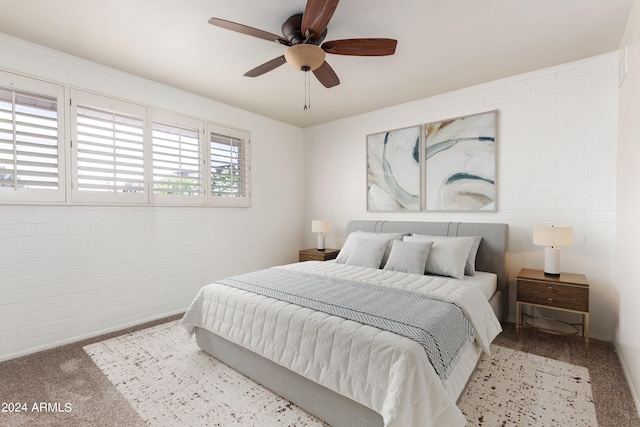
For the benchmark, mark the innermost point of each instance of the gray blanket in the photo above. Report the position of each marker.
(440, 327)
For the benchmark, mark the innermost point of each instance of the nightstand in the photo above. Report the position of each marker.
(314, 254)
(565, 292)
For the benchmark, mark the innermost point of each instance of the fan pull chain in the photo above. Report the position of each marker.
(307, 89)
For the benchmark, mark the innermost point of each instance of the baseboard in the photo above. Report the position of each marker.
(89, 335)
(634, 392)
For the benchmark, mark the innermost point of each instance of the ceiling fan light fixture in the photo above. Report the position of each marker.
(305, 57)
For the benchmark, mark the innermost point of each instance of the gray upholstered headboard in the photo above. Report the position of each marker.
(493, 253)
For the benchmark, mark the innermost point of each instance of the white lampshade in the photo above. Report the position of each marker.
(320, 226)
(552, 237)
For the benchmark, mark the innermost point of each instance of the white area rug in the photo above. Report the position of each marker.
(512, 388)
(169, 381)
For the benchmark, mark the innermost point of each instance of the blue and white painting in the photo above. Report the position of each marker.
(461, 163)
(393, 170)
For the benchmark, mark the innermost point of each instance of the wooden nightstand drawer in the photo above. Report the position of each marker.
(306, 257)
(316, 255)
(554, 295)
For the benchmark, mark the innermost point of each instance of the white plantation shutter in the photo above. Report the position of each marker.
(229, 167)
(30, 134)
(177, 160)
(108, 143)
(120, 152)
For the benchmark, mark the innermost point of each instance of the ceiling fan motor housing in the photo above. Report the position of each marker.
(292, 31)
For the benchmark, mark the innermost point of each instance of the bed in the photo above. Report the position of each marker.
(346, 372)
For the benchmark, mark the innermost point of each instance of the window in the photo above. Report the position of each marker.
(120, 152)
(177, 159)
(31, 130)
(108, 146)
(229, 167)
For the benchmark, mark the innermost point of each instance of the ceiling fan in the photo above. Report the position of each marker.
(303, 35)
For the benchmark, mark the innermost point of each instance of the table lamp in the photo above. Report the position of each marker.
(320, 226)
(552, 237)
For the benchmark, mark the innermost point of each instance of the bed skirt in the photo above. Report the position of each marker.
(326, 404)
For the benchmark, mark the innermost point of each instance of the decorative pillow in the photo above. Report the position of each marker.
(470, 266)
(367, 252)
(408, 257)
(447, 257)
(343, 256)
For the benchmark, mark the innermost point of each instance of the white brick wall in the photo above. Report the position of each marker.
(556, 165)
(124, 265)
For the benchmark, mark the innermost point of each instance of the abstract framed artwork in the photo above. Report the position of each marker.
(394, 170)
(460, 163)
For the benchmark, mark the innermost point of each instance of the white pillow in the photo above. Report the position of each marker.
(447, 257)
(367, 253)
(408, 257)
(343, 256)
(470, 266)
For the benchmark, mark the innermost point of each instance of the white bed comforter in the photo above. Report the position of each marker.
(381, 370)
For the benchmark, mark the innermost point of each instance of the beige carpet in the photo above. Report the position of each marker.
(170, 382)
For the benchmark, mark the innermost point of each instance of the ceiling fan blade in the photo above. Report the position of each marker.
(250, 31)
(361, 47)
(266, 67)
(326, 75)
(316, 17)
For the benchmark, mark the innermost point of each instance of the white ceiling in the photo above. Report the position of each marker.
(443, 45)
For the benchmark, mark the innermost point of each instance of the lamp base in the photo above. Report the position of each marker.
(321, 241)
(552, 261)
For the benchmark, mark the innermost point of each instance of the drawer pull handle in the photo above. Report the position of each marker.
(550, 300)
(550, 288)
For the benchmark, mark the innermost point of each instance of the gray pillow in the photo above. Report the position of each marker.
(343, 256)
(470, 265)
(367, 253)
(447, 257)
(408, 257)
